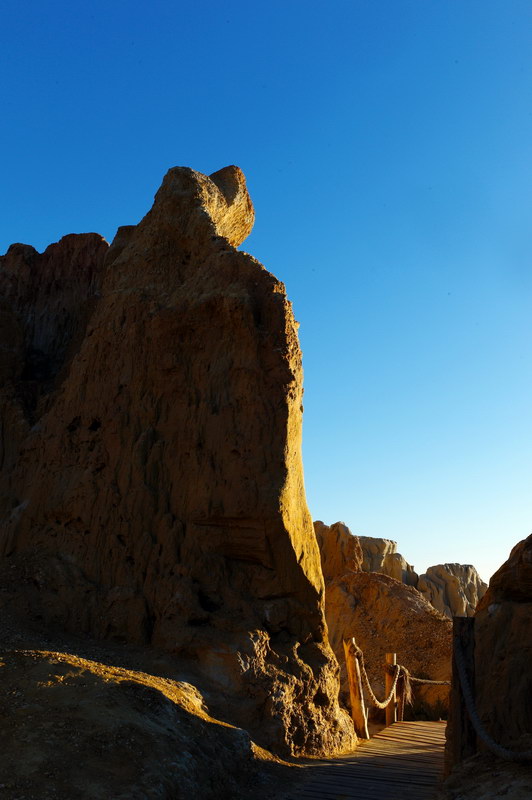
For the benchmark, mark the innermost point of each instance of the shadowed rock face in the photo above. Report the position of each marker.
(503, 651)
(503, 682)
(152, 487)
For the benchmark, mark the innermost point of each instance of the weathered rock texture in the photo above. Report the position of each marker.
(503, 684)
(453, 589)
(151, 487)
(380, 555)
(340, 551)
(384, 615)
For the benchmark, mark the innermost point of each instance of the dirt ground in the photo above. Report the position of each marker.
(84, 719)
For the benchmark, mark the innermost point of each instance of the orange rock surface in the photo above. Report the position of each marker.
(152, 488)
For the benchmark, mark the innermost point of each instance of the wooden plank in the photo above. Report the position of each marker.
(394, 765)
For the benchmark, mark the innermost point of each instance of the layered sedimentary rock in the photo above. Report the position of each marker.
(384, 615)
(151, 486)
(454, 589)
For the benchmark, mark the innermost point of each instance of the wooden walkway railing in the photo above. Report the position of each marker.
(402, 762)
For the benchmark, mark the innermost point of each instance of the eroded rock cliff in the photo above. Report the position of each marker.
(151, 487)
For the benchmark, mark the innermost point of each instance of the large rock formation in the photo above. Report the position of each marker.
(384, 615)
(151, 487)
(503, 683)
(503, 651)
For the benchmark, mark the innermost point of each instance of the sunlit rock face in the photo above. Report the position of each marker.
(152, 488)
(340, 551)
(380, 555)
(454, 589)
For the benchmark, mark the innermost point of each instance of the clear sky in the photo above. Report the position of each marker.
(388, 150)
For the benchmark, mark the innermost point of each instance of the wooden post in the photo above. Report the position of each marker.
(461, 736)
(391, 708)
(401, 689)
(358, 711)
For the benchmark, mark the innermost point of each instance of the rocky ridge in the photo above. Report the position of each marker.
(150, 438)
(453, 589)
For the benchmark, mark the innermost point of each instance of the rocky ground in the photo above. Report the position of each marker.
(82, 719)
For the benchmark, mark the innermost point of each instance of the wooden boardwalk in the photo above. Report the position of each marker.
(402, 762)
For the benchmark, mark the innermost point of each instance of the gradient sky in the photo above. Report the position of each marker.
(388, 151)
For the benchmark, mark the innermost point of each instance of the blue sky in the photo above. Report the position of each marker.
(388, 150)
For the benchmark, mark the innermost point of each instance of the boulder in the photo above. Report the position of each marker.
(152, 489)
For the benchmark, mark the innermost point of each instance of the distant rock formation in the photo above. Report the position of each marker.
(340, 551)
(384, 615)
(380, 555)
(150, 434)
(453, 589)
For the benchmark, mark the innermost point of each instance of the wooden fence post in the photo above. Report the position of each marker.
(358, 710)
(461, 736)
(401, 692)
(391, 708)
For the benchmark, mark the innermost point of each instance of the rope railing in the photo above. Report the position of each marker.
(399, 675)
(413, 679)
(398, 688)
(397, 670)
(499, 750)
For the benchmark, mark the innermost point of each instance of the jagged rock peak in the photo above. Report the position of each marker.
(152, 491)
(222, 196)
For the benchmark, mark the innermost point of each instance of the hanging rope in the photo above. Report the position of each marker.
(377, 703)
(412, 679)
(499, 750)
